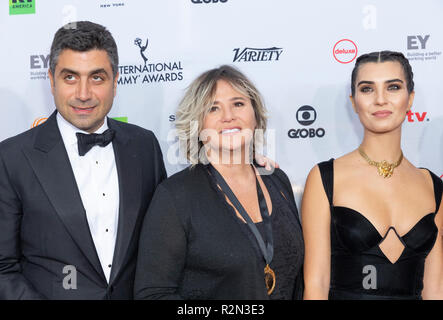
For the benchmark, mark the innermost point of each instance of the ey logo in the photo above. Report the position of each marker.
(417, 42)
(21, 7)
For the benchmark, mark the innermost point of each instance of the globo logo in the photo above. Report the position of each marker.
(306, 116)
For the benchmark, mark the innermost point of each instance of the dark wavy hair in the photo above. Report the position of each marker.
(83, 36)
(383, 56)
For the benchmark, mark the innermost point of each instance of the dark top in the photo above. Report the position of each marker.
(193, 246)
(359, 269)
(43, 224)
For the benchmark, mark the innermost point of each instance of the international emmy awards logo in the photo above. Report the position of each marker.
(138, 42)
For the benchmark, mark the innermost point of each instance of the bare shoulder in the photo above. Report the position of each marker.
(314, 183)
(420, 176)
(346, 166)
(346, 160)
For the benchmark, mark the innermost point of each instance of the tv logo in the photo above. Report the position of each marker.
(414, 41)
(419, 117)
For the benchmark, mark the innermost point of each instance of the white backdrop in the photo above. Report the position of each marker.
(298, 68)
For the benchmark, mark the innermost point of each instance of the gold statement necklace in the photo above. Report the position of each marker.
(385, 169)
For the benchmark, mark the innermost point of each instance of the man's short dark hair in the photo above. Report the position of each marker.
(83, 36)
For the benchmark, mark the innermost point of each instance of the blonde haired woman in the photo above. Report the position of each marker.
(219, 229)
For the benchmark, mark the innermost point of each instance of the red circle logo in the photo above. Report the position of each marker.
(345, 51)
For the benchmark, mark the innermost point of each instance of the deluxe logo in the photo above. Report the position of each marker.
(21, 7)
(255, 54)
(306, 115)
(208, 1)
(38, 122)
(345, 51)
(149, 72)
(417, 116)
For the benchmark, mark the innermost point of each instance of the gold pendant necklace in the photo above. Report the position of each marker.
(269, 279)
(385, 169)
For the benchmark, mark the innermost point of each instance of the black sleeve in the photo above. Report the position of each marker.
(162, 250)
(13, 285)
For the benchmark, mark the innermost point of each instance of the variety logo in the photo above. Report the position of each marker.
(209, 1)
(21, 7)
(345, 51)
(39, 64)
(254, 54)
(416, 46)
(417, 116)
(38, 122)
(306, 116)
(149, 72)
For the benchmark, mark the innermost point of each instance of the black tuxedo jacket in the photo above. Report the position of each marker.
(43, 225)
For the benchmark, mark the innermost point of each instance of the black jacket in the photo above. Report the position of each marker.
(192, 246)
(43, 225)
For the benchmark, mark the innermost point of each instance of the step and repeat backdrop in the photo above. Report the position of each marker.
(298, 53)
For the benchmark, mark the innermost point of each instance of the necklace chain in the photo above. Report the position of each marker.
(385, 169)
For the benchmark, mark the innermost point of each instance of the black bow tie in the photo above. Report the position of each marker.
(87, 141)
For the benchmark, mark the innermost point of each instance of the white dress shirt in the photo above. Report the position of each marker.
(97, 181)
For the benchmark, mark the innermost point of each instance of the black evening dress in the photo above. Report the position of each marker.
(355, 252)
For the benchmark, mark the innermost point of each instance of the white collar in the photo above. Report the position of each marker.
(68, 130)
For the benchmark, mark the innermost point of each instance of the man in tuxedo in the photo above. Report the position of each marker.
(74, 190)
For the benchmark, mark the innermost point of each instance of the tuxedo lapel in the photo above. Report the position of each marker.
(51, 165)
(129, 172)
